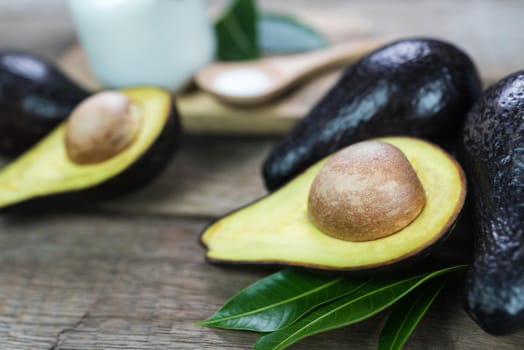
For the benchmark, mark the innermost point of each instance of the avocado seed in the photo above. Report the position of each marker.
(366, 191)
(101, 127)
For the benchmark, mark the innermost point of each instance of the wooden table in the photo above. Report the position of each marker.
(129, 274)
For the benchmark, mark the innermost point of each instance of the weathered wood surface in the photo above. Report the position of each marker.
(129, 274)
(208, 177)
(104, 282)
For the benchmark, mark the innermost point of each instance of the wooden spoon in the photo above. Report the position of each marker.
(257, 81)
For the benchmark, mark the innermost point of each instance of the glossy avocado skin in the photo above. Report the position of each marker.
(417, 87)
(494, 162)
(142, 171)
(34, 98)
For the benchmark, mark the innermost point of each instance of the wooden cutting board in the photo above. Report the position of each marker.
(202, 113)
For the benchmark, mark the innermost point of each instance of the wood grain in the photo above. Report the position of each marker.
(107, 283)
(103, 282)
(208, 177)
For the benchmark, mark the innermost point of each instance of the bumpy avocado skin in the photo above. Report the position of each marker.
(418, 87)
(494, 162)
(34, 98)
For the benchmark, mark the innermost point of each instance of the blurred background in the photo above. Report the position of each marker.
(490, 31)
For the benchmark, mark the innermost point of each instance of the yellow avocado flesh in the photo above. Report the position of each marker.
(45, 169)
(276, 229)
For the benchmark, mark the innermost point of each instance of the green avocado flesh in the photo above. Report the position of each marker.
(276, 229)
(46, 169)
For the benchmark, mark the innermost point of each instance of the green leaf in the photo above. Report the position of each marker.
(407, 313)
(236, 32)
(367, 301)
(279, 300)
(281, 34)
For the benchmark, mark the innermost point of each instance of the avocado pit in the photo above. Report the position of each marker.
(101, 127)
(277, 229)
(364, 192)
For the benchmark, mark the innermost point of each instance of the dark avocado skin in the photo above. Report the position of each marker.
(142, 171)
(493, 141)
(417, 87)
(34, 98)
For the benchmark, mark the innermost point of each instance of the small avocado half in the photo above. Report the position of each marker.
(278, 230)
(45, 174)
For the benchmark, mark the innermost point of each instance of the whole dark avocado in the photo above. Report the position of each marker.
(34, 98)
(417, 87)
(494, 163)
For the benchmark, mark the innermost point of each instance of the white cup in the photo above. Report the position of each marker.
(144, 42)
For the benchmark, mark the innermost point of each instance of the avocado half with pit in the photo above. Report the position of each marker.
(112, 143)
(370, 205)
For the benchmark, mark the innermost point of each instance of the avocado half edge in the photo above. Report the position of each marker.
(277, 230)
(46, 175)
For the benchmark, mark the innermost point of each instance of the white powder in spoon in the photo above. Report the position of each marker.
(242, 82)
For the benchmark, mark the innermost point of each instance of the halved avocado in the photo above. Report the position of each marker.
(45, 173)
(277, 228)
